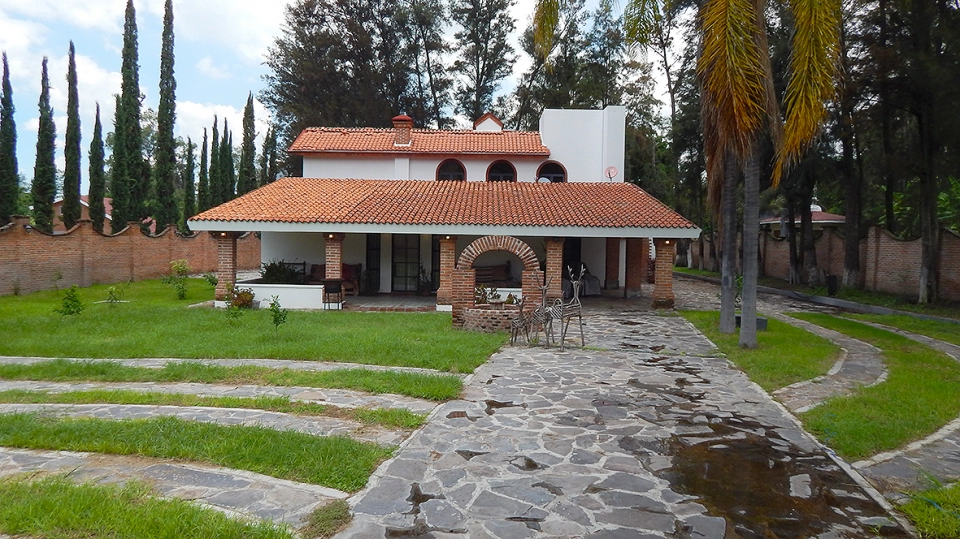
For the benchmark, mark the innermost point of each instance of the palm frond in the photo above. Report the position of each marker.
(813, 69)
(640, 18)
(546, 19)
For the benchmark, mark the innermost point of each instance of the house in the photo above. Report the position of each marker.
(59, 227)
(461, 207)
(819, 219)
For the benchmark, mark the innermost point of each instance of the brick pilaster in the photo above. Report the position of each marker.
(334, 256)
(464, 281)
(663, 289)
(612, 273)
(226, 263)
(637, 260)
(555, 268)
(448, 261)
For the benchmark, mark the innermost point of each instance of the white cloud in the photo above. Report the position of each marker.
(246, 26)
(193, 118)
(105, 15)
(206, 67)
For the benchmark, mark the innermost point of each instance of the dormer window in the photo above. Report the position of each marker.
(451, 170)
(501, 171)
(551, 172)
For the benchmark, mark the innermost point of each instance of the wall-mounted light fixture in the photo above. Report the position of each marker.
(223, 234)
(330, 236)
(446, 237)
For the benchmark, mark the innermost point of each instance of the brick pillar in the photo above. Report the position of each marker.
(663, 290)
(448, 261)
(637, 260)
(226, 263)
(612, 273)
(334, 256)
(462, 298)
(554, 268)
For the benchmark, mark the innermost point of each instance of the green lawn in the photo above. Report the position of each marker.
(332, 461)
(425, 386)
(153, 323)
(935, 512)
(388, 417)
(785, 354)
(54, 507)
(921, 394)
(944, 331)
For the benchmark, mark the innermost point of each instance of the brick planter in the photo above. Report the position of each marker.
(487, 320)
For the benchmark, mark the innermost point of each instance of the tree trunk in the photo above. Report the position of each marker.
(811, 276)
(728, 262)
(851, 179)
(751, 231)
(791, 230)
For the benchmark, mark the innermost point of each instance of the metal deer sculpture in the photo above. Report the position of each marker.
(542, 317)
(573, 308)
(520, 324)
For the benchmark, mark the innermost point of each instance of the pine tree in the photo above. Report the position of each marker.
(203, 185)
(9, 175)
(189, 195)
(44, 187)
(216, 194)
(71, 148)
(247, 177)
(485, 56)
(126, 186)
(97, 178)
(166, 154)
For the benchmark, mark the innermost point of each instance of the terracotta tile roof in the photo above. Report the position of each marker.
(419, 202)
(428, 141)
(815, 217)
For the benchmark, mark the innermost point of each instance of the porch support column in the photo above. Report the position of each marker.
(226, 263)
(334, 256)
(554, 274)
(663, 289)
(448, 261)
(638, 258)
(612, 274)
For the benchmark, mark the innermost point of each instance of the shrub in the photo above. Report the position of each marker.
(279, 272)
(279, 315)
(178, 277)
(211, 278)
(71, 304)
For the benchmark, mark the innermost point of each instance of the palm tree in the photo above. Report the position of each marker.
(740, 107)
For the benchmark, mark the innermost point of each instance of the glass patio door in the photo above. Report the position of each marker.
(406, 262)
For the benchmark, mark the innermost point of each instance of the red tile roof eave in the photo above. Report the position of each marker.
(407, 151)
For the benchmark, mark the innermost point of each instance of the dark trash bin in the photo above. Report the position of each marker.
(832, 285)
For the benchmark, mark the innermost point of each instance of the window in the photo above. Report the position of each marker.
(451, 170)
(373, 262)
(501, 171)
(552, 172)
(406, 262)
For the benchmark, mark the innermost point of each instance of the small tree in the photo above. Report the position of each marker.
(279, 315)
(178, 277)
(71, 303)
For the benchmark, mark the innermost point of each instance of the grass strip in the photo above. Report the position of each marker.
(920, 395)
(56, 507)
(332, 461)
(935, 329)
(153, 323)
(785, 354)
(935, 512)
(424, 386)
(388, 417)
(328, 520)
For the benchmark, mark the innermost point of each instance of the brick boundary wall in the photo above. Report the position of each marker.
(488, 320)
(31, 260)
(887, 263)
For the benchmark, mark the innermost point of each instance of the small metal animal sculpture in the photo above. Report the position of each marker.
(520, 324)
(541, 317)
(572, 308)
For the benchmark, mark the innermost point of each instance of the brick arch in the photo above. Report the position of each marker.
(465, 277)
(499, 243)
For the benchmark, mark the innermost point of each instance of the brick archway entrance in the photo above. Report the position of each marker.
(464, 276)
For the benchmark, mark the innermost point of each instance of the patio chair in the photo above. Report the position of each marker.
(332, 292)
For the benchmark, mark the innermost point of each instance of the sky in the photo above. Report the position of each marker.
(219, 49)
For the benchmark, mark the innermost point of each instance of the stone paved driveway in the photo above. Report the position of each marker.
(651, 437)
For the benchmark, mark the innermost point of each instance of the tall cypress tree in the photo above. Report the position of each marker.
(216, 194)
(9, 175)
(228, 178)
(126, 186)
(203, 185)
(45, 171)
(247, 176)
(97, 179)
(166, 153)
(263, 171)
(71, 148)
(189, 194)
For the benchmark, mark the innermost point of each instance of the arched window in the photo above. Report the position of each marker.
(552, 172)
(501, 171)
(451, 170)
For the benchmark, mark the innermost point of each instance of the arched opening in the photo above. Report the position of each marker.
(501, 171)
(451, 170)
(552, 171)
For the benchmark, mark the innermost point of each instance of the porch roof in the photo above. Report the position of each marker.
(432, 207)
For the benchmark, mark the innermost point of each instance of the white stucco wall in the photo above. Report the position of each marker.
(292, 247)
(367, 167)
(585, 142)
(593, 254)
